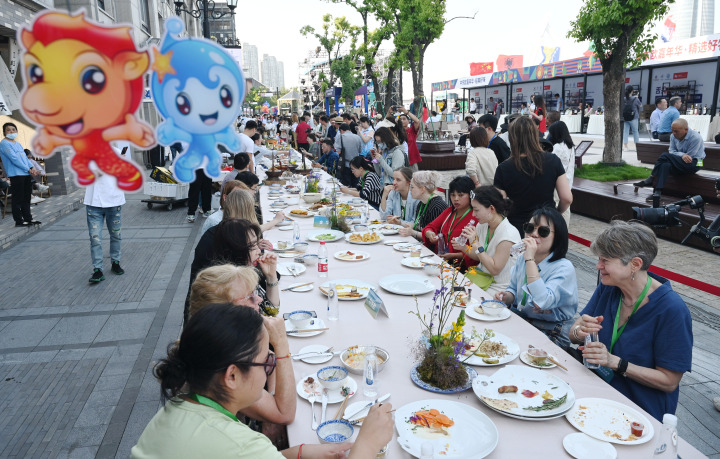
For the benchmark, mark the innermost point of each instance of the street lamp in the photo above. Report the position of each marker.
(205, 8)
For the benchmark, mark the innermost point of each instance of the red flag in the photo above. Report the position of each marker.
(505, 62)
(480, 68)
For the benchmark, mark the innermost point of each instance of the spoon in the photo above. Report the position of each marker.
(312, 399)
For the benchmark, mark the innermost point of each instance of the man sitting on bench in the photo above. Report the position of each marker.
(686, 151)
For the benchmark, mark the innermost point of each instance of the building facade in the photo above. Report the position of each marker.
(251, 62)
(272, 72)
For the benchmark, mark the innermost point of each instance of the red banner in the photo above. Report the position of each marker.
(480, 68)
(680, 75)
(505, 62)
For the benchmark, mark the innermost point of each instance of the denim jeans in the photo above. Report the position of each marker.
(626, 127)
(113, 217)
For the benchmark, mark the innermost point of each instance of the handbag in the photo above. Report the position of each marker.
(481, 279)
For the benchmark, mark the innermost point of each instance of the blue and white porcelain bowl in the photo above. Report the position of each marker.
(332, 378)
(335, 431)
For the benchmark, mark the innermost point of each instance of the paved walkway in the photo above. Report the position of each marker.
(76, 359)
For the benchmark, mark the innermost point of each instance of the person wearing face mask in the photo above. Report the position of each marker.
(397, 204)
(19, 169)
(387, 155)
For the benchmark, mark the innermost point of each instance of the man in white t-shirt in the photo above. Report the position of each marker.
(248, 146)
(103, 205)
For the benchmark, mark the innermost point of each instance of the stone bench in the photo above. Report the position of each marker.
(649, 152)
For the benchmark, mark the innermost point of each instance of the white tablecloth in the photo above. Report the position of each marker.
(399, 333)
(596, 125)
(700, 123)
(714, 128)
(573, 122)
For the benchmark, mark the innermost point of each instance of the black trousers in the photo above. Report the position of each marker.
(21, 189)
(202, 186)
(669, 163)
(664, 136)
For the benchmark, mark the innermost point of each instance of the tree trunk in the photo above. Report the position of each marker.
(418, 85)
(613, 85)
(388, 89)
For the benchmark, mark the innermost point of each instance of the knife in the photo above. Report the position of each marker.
(378, 400)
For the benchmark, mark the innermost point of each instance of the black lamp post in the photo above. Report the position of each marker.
(205, 8)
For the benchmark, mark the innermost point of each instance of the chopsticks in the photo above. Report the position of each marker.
(341, 410)
(309, 330)
(296, 286)
(556, 363)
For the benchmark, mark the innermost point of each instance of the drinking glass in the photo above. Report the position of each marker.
(591, 338)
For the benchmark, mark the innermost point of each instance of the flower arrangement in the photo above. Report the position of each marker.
(441, 359)
(312, 183)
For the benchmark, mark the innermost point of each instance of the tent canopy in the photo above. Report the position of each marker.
(292, 95)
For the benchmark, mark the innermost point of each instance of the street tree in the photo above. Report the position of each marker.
(620, 33)
(336, 35)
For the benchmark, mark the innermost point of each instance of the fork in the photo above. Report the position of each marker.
(312, 399)
(291, 268)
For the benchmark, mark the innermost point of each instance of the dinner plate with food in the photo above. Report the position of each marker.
(310, 385)
(405, 246)
(348, 289)
(366, 238)
(302, 213)
(526, 393)
(537, 358)
(610, 421)
(352, 255)
(412, 262)
(454, 429)
(488, 349)
(283, 246)
(327, 235)
(386, 228)
(488, 312)
(463, 300)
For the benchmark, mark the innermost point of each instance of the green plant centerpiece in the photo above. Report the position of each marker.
(312, 183)
(441, 351)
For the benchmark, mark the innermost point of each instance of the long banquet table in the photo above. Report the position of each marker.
(573, 122)
(399, 333)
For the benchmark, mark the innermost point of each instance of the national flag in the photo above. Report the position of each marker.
(505, 62)
(480, 68)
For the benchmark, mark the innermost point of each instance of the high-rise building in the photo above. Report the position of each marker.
(272, 73)
(251, 66)
(693, 18)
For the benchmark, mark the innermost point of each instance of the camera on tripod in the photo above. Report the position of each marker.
(669, 216)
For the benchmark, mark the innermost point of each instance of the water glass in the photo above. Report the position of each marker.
(333, 307)
(369, 373)
(517, 249)
(591, 338)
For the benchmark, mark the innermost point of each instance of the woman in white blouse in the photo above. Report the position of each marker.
(563, 148)
(481, 161)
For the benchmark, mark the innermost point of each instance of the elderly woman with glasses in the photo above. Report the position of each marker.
(543, 287)
(644, 327)
(219, 368)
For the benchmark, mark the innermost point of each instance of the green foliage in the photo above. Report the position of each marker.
(440, 369)
(255, 96)
(608, 173)
(619, 27)
(335, 34)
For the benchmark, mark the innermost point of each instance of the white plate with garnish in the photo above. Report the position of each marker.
(497, 349)
(351, 255)
(327, 235)
(385, 228)
(304, 389)
(405, 246)
(525, 358)
(348, 289)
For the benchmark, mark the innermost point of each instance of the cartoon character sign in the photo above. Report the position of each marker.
(83, 82)
(198, 89)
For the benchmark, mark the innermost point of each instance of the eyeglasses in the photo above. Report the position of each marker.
(253, 245)
(543, 231)
(270, 364)
(255, 297)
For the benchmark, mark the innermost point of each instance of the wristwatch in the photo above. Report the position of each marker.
(479, 250)
(622, 367)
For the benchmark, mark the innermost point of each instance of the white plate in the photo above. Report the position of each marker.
(316, 323)
(306, 288)
(347, 238)
(405, 246)
(289, 254)
(513, 350)
(309, 214)
(469, 305)
(525, 358)
(407, 284)
(337, 235)
(339, 255)
(595, 416)
(315, 348)
(525, 379)
(286, 228)
(283, 268)
(472, 436)
(412, 262)
(353, 407)
(334, 396)
(471, 312)
(285, 223)
(385, 228)
(343, 285)
(581, 446)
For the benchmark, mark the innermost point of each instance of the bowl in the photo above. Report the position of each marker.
(353, 358)
(335, 431)
(538, 356)
(432, 270)
(302, 171)
(279, 203)
(300, 246)
(310, 260)
(493, 307)
(360, 228)
(312, 198)
(332, 378)
(273, 174)
(300, 320)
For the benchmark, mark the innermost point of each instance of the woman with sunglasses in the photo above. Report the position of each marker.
(238, 285)
(218, 368)
(530, 176)
(237, 241)
(451, 222)
(644, 327)
(429, 207)
(368, 185)
(490, 241)
(543, 287)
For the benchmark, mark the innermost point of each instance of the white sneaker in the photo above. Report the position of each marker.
(191, 218)
(43, 188)
(35, 200)
(206, 214)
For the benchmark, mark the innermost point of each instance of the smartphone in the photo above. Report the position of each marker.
(124, 150)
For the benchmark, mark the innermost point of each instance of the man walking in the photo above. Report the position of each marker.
(103, 204)
(685, 156)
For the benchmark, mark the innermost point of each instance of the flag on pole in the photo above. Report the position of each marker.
(480, 68)
(508, 62)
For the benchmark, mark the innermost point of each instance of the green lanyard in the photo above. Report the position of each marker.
(421, 212)
(212, 404)
(616, 333)
(362, 181)
(453, 221)
(487, 235)
(522, 303)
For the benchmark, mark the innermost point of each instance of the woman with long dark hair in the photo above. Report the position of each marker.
(563, 148)
(530, 176)
(540, 114)
(368, 185)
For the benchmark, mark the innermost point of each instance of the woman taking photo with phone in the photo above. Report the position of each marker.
(387, 155)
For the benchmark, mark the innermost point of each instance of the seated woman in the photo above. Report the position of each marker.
(450, 223)
(237, 285)
(218, 368)
(644, 327)
(397, 204)
(471, 123)
(236, 241)
(227, 187)
(543, 287)
(422, 187)
(387, 156)
(368, 186)
(490, 241)
(481, 161)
